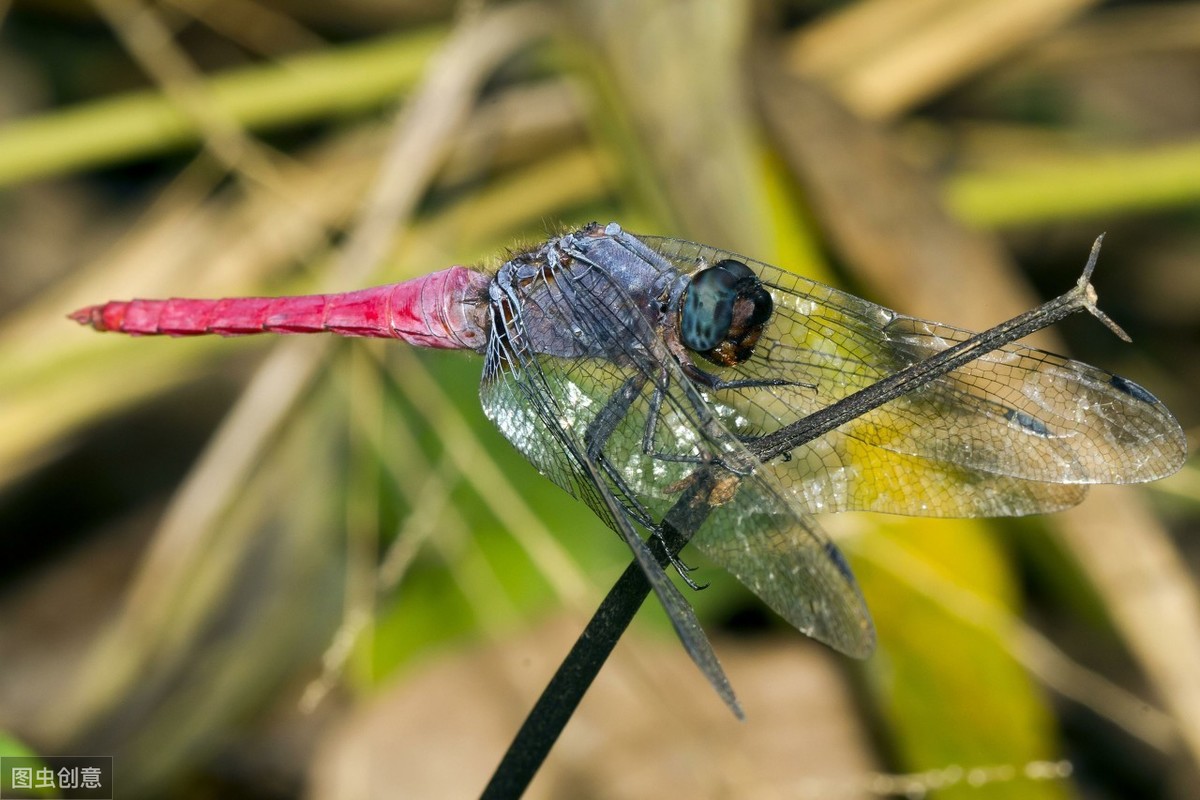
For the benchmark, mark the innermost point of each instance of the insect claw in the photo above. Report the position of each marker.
(682, 568)
(697, 587)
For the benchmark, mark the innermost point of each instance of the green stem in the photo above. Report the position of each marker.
(306, 87)
(1079, 186)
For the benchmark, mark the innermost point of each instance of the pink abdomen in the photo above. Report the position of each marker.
(445, 309)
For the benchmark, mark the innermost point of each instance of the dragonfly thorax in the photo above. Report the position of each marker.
(724, 312)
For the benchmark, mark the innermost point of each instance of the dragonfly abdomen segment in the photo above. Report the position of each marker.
(444, 309)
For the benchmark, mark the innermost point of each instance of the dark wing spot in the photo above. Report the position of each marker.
(1133, 390)
(839, 561)
(1031, 424)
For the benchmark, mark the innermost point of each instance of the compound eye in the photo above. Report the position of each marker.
(724, 312)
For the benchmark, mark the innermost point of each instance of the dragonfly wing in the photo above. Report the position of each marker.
(839, 472)
(522, 396)
(629, 433)
(1092, 426)
(991, 437)
(789, 562)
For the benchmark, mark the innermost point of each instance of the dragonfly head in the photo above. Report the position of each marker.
(724, 312)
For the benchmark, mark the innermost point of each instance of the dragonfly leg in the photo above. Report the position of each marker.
(681, 566)
(683, 357)
(716, 383)
(704, 460)
(641, 515)
(649, 433)
(683, 569)
(656, 400)
(601, 429)
(757, 383)
(596, 437)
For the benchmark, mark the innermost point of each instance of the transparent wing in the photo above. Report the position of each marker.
(785, 559)
(629, 435)
(522, 400)
(1000, 436)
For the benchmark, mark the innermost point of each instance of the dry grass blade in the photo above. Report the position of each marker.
(152, 618)
(431, 512)
(444, 102)
(882, 57)
(898, 235)
(255, 26)
(429, 503)
(678, 88)
(362, 397)
(1149, 593)
(486, 478)
(448, 93)
(1122, 30)
(920, 784)
(148, 38)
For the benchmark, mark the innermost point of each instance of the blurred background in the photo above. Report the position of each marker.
(263, 568)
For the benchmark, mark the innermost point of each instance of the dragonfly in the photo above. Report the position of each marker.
(642, 374)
